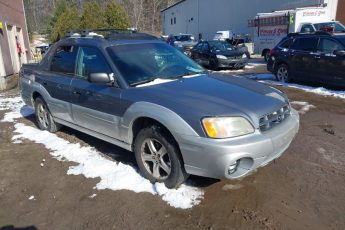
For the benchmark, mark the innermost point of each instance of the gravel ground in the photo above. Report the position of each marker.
(303, 189)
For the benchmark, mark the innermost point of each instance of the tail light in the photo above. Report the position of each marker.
(272, 52)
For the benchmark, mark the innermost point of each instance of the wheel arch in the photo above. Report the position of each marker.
(264, 51)
(144, 113)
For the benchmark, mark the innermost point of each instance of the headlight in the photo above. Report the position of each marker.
(244, 56)
(225, 127)
(221, 57)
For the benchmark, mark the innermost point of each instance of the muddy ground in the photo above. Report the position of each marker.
(303, 189)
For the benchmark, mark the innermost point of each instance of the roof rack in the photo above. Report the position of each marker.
(111, 34)
(319, 32)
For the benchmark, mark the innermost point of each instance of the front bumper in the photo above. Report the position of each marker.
(212, 157)
(236, 62)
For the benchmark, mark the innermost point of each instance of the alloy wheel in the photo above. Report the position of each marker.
(42, 115)
(155, 159)
(282, 74)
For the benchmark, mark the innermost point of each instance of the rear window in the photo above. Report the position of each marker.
(285, 44)
(305, 44)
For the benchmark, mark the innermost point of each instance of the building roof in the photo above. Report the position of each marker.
(177, 3)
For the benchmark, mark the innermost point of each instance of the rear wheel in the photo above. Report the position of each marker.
(283, 73)
(158, 156)
(44, 118)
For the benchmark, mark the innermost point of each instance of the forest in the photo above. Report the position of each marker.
(54, 17)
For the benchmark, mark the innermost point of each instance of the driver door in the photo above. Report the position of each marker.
(95, 106)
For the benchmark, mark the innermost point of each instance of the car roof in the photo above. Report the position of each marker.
(114, 38)
(316, 34)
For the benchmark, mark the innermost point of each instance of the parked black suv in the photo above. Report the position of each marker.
(317, 57)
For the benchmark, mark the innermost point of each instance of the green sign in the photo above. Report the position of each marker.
(291, 19)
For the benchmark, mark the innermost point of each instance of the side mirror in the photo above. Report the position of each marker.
(340, 53)
(101, 78)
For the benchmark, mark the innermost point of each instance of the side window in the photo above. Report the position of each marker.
(307, 28)
(205, 46)
(63, 60)
(91, 60)
(305, 44)
(329, 46)
(286, 44)
(199, 46)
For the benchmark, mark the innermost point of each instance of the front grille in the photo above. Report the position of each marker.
(275, 118)
(235, 57)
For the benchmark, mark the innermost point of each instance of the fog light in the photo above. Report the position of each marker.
(232, 168)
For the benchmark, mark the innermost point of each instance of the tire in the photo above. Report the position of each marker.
(44, 118)
(283, 73)
(158, 156)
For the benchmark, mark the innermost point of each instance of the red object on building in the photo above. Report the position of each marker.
(19, 48)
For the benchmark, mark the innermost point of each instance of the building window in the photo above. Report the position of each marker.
(175, 20)
(171, 21)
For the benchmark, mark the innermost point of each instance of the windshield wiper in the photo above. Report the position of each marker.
(143, 81)
(187, 74)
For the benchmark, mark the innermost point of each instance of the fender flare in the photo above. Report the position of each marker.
(172, 121)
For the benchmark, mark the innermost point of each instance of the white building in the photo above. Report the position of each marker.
(205, 17)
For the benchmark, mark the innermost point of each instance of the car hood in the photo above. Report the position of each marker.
(230, 53)
(212, 95)
(186, 43)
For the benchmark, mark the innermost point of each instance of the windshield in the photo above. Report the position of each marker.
(338, 27)
(220, 46)
(145, 62)
(184, 38)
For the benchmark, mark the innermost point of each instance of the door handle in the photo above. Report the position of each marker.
(317, 57)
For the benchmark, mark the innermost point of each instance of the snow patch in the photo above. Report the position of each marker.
(93, 196)
(302, 106)
(271, 79)
(16, 106)
(17, 141)
(113, 175)
(90, 163)
(156, 82)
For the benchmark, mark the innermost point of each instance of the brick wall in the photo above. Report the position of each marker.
(12, 13)
(341, 11)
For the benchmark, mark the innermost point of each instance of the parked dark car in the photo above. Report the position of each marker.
(218, 54)
(240, 43)
(184, 42)
(318, 57)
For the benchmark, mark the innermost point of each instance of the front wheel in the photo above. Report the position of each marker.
(283, 73)
(158, 157)
(44, 118)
